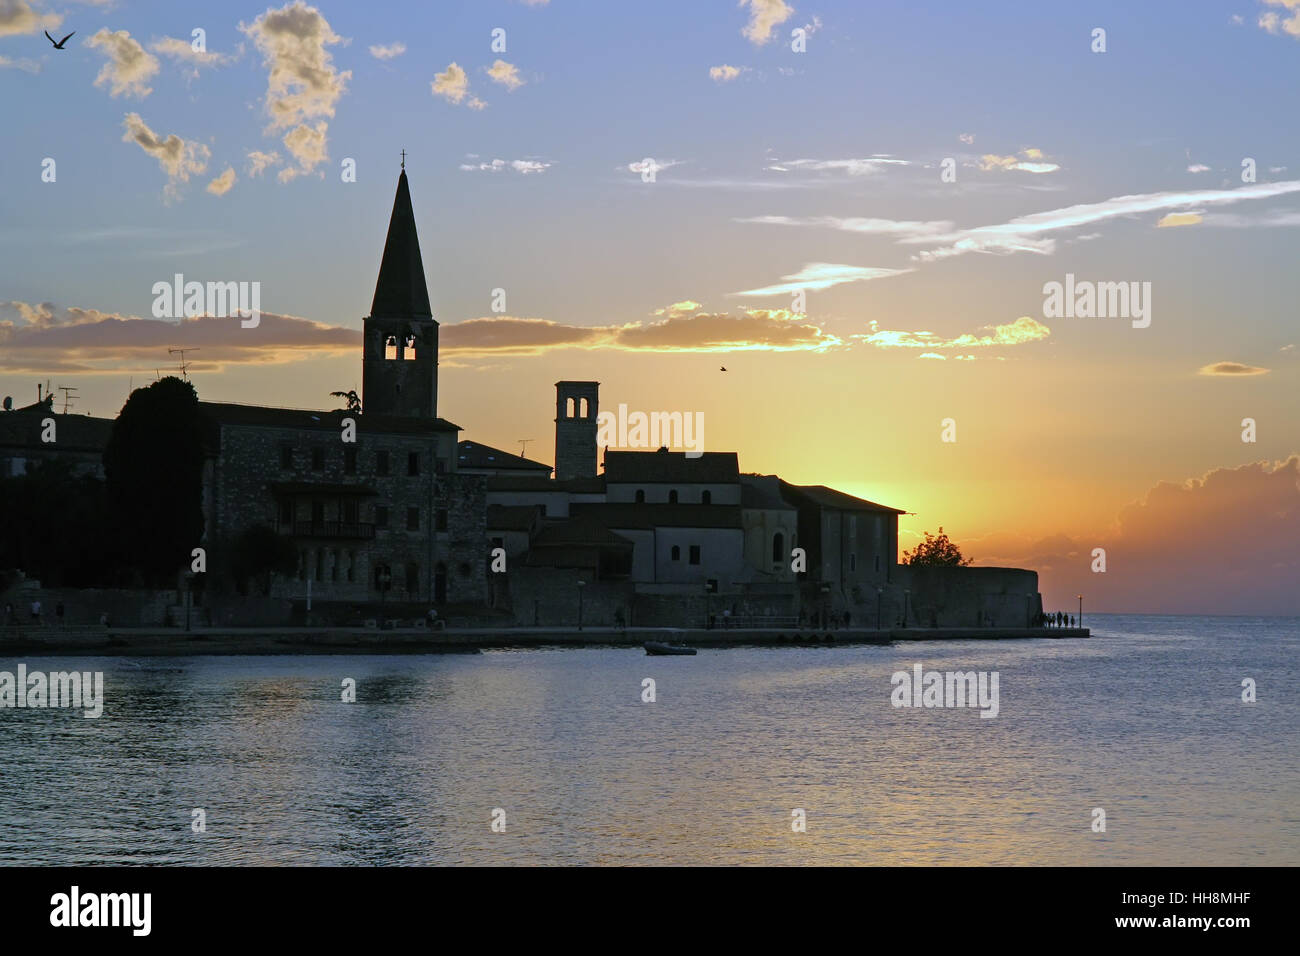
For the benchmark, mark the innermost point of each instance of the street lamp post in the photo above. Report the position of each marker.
(880, 596)
(907, 596)
(581, 585)
(1080, 610)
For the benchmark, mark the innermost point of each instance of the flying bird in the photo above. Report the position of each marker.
(722, 368)
(59, 45)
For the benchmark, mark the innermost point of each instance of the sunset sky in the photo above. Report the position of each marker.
(774, 171)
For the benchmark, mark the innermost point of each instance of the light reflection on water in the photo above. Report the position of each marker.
(1144, 720)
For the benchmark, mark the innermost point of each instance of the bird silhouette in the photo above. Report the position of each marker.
(722, 368)
(59, 44)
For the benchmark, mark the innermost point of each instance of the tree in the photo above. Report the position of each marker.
(55, 527)
(257, 554)
(353, 399)
(153, 464)
(936, 551)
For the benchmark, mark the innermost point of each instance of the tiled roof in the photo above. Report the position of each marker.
(663, 466)
(475, 455)
(22, 428)
(226, 413)
(830, 498)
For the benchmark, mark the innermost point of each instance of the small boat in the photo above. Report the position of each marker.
(659, 649)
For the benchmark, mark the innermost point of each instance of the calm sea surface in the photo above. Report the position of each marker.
(1145, 720)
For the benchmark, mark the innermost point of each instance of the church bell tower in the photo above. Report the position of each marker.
(400, 363)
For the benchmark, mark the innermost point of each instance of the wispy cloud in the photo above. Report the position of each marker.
(129, 67)
(223, 183)
(1231, 370)
(17, 18)
(725, 73)
(182, 51)
(764, 17)
(853, 167)
(389, 52)
(452, 84)
(1029, 160)
(1173, 219)
(1287, 22)
(525, 166)
(1020, 332)
(178, 158)
(822, 275)
(506, 74)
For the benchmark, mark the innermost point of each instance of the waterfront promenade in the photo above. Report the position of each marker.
(171, 641)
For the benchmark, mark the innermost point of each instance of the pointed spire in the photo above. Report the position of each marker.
(400, 290)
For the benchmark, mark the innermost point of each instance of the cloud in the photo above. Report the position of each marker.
(302, 83)
(258, 161)
(725, 73)
(179, 159)
(752, 329)
(392, 51)
(525, 166)
(507, 74)
(854, 167)
(1230, 370)
(967, 138)
(18, 18)
(1172, 219)
(685, 307)
(1027, 233)
(1160, 559)
(27, 66)
(36, 338)
(129, 67)
(652, 166)
(823, 275)
(222, 184)
(877, 227)
(1281, 23)
(453, 85)
(1029, 161)
(764, 17)
(1198, 168)
(1020, 332)
(183, 52)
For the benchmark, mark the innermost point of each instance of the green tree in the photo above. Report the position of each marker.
(55, 527)
(257, 554)
(936, 551)
(153, 465)
(353, 400)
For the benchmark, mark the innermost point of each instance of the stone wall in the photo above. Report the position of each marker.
(125, 608)
(970, 596)
(548, 597)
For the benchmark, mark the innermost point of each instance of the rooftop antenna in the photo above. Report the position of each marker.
(68, 397)
(523, 447)
(183, 366)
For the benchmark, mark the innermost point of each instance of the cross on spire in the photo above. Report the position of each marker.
(403, 159)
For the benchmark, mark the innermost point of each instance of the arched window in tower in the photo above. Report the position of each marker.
(672, 497)
(408, 347)
(778, 548)
(706, 497)
(582, 409)
(640, 496)
(568, 408)
(390, 347)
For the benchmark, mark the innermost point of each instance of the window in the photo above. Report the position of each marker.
(677, 553)
(412, 519)
(413, 463)
(318, 459)
(352, 566)
(706, 497)
(408, 348)
(349, 461)
(334, 566)
(695, 554)
(390, 347)
(317, 512)
(348, 511)
(381, 516)
(853, 562)
(286, 456)
(778, 548)
(286, 512)
(543, 507)
(640, 496)
(672, 497)
(440, 466)
(381, 463)
(877, 564)
(320, 564)
(441, 518)
(413, 578)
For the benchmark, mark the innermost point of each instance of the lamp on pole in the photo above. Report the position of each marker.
(581, 585)
(1080, 610)
(826, 596)
(907, 595)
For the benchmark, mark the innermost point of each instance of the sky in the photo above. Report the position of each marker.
(856, 209)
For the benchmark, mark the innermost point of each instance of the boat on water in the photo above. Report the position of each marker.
(660, 649)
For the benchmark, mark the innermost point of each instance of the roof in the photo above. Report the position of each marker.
(825, 497)
(320, 488)
(266, 416)
(22, 428)
(582, 532)
(763, 492)
(401, 290)
(648, 516)
(473, 455)
(540, 483)
(664, 466)
(512, 517)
